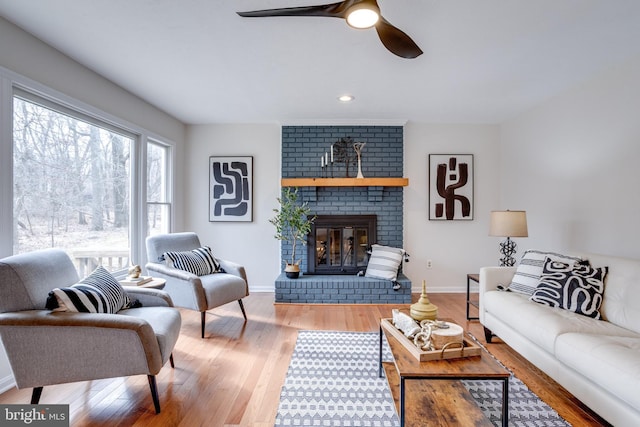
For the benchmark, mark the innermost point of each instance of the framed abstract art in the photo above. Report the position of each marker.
(450, 187)
(231, 188)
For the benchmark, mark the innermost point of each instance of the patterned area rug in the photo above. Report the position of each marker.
(333, 381)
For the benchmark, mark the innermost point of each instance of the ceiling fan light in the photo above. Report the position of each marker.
(363, 15)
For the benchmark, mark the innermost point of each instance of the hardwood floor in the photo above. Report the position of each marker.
(233, 376)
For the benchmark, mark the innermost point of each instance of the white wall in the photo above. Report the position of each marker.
(573, 164)
(248, 243)
(455, 247)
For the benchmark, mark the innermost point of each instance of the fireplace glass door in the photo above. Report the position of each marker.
(340, 248)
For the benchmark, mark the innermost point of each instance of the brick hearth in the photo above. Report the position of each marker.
(340, 289)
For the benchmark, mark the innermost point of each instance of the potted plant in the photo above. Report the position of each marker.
(293, 224)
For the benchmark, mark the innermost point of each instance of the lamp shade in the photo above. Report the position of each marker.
(508, 224)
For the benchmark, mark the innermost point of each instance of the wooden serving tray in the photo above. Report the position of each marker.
(468, 349)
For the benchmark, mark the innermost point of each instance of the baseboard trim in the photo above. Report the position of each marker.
(262, 288)
(7, 383)
(441, 290)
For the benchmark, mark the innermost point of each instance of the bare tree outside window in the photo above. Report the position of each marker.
(71, 187)
(158, 197)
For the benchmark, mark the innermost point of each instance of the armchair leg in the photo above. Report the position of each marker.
(203, 315)
(35, 396)
(242, 308)
(171, 360)
(154, 392)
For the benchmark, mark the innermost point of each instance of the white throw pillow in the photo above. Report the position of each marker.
(528, 272)
(384, 262)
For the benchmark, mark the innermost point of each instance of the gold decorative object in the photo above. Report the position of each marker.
(134, 272)
(423, 309)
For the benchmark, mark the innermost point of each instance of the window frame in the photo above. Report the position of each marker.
(168, 193)
(11, 84)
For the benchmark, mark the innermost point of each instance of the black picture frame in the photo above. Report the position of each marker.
(451, 187)
(231, 188)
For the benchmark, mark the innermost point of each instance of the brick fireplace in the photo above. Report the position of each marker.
(382, 156)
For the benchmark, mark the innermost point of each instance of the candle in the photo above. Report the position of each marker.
(331, 153)
(326, 158)
(322, 161)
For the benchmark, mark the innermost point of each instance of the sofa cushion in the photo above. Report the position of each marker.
(99, 292)
(198, 261)
(575, 287)
(384, 262)
(611, 362)
(621, 303)
(529, 270)
(542, 324)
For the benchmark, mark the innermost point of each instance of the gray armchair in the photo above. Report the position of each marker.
(48, 347)
(200, 293)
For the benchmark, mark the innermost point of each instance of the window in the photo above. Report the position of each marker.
(158, 188)
(71, 184)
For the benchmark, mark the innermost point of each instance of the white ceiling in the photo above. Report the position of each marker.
(484, 61)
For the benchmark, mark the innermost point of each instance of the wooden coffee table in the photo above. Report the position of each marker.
(438, 402)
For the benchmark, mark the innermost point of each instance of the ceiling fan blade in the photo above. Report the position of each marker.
(333, 10)
(396, 41)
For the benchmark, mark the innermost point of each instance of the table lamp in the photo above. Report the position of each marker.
(508, 224)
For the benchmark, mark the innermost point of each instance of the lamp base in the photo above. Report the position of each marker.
(507, 250)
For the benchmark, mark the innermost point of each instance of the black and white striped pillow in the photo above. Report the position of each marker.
(527, 275)
(197, 261)
(99, 292)
(384, 262)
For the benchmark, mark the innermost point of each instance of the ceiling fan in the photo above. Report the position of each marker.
(358, 14)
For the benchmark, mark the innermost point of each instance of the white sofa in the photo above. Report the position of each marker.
(598, 361)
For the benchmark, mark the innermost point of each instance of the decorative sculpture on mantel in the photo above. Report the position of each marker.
(343, 151)
(358, 146)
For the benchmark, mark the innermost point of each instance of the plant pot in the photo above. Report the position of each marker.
(292, 271)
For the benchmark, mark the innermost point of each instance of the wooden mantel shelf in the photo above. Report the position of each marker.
(344, 182)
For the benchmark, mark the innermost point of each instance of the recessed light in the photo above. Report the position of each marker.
(346, 98)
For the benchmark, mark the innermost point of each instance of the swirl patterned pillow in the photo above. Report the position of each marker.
(578, 287)
(198, 261)
(99, 292)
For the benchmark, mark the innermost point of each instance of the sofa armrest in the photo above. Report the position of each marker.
(184, 287)
(47, 347)
(490, 278)
(155, 267)
(149, 297)
(234, 268)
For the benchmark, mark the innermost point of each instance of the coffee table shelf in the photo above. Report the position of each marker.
(436, 403)
(421, 394)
